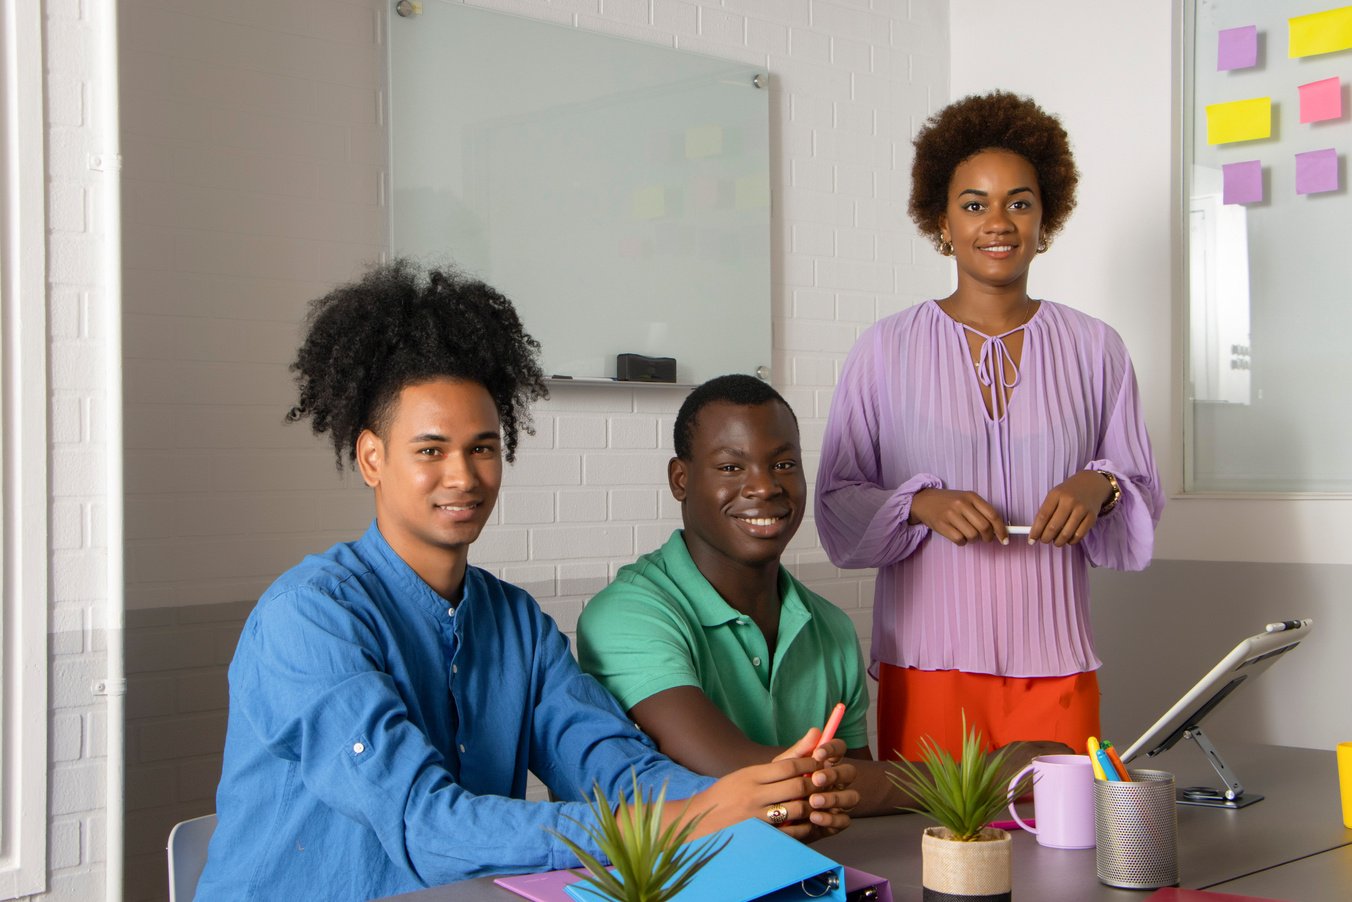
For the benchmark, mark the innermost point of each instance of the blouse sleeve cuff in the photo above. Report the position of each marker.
(1123, 538)
(906, 493)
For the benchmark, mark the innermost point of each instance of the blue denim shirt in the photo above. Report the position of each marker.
(379, 738)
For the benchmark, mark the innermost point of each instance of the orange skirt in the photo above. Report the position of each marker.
(916, 703)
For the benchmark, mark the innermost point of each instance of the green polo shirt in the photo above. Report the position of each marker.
(660, 625)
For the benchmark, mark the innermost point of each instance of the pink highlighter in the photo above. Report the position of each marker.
(832, 724)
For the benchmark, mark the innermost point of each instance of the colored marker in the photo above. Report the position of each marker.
(1105, 766)
(1116, 761)
(1093, 745)
(832, 724)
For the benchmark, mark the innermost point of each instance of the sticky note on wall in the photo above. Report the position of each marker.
(1242, 183)
(1239, 120)
(1324, 32)
(1317, 171)
(1321, 100)
(1237, 48)
(703, 141)
(649, 202)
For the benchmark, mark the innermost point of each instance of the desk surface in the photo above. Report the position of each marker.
(1291, 845)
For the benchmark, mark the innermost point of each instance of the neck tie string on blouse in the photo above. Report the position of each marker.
(996, 370)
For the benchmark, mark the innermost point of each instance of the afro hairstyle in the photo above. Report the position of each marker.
(397, 326)
(995, 121)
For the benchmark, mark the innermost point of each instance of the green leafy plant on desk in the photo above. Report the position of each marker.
(961, 856)
(651, 862)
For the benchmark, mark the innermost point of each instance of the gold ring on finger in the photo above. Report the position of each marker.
(777, 814)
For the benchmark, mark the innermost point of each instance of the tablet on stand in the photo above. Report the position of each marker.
(1183, 721)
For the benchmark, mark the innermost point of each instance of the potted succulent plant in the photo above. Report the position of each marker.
(961, 857)
(651, 863)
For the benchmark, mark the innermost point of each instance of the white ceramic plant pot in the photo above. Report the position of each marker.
(954, 871)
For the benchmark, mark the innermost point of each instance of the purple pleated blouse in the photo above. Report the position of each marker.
(908, 414)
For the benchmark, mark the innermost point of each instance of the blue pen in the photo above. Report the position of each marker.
(1107, 764)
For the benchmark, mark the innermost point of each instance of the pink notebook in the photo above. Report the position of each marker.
(545, 887)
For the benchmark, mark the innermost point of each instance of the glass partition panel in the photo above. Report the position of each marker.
(617, 192)
(1270, 249)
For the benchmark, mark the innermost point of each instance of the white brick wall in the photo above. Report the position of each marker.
(76, 739)
(254, 179)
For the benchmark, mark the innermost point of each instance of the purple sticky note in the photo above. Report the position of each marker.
(1237, 48)
(1242, 182)
(1320, 100)
(1317, 171)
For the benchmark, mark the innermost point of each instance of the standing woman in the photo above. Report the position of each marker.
(959, 418)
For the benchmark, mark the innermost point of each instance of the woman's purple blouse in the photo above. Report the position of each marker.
(908, 414)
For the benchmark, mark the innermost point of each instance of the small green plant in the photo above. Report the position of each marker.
(963, 795)
(651, 862)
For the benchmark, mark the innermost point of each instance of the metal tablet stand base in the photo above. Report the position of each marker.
(1232, 796)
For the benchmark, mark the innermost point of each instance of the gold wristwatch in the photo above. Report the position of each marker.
(1115, 497)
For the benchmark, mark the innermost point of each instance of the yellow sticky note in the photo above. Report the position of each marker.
(649, 202)
(1320, 32)
(752, 191)
(1239, 120)
(703, 141)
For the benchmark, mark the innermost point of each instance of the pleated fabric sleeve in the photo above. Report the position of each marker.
(862, 503)
(908, 414)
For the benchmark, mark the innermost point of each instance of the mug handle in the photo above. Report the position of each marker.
(1010, 792)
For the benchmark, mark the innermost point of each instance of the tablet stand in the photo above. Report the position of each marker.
(1232, 796)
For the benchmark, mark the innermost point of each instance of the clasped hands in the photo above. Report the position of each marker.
(1065, 517)
(805, 791)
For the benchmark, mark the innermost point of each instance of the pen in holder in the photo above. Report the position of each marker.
(1136, 826)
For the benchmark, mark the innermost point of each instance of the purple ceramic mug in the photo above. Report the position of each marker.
(1063, 801)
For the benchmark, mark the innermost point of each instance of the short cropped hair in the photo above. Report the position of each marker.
(742, 390)
(995, 121)
(398, 326)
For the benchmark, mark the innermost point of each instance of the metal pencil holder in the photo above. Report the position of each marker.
(1136, 825)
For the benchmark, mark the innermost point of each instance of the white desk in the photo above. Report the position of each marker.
(1292, 845)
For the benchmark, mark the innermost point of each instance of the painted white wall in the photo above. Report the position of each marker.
(1112, 89)
(1113, 80)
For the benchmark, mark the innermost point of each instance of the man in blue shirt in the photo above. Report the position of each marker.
(386, 698)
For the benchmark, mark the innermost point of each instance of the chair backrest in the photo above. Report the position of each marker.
(188, 855)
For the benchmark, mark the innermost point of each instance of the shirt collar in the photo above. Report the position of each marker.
(704, 599)
(393, 569)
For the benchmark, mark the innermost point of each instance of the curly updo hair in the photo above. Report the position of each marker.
(995, 121)
(738, 389)
(395, 327)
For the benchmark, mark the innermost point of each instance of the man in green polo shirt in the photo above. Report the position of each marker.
(713, 648)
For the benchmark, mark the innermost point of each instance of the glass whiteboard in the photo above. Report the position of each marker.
(1269, 267)
(617, 192)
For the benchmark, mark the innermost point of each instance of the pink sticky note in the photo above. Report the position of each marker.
(1320, 100)
(1242, 183)
(1317, 171)
(1237, 48)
